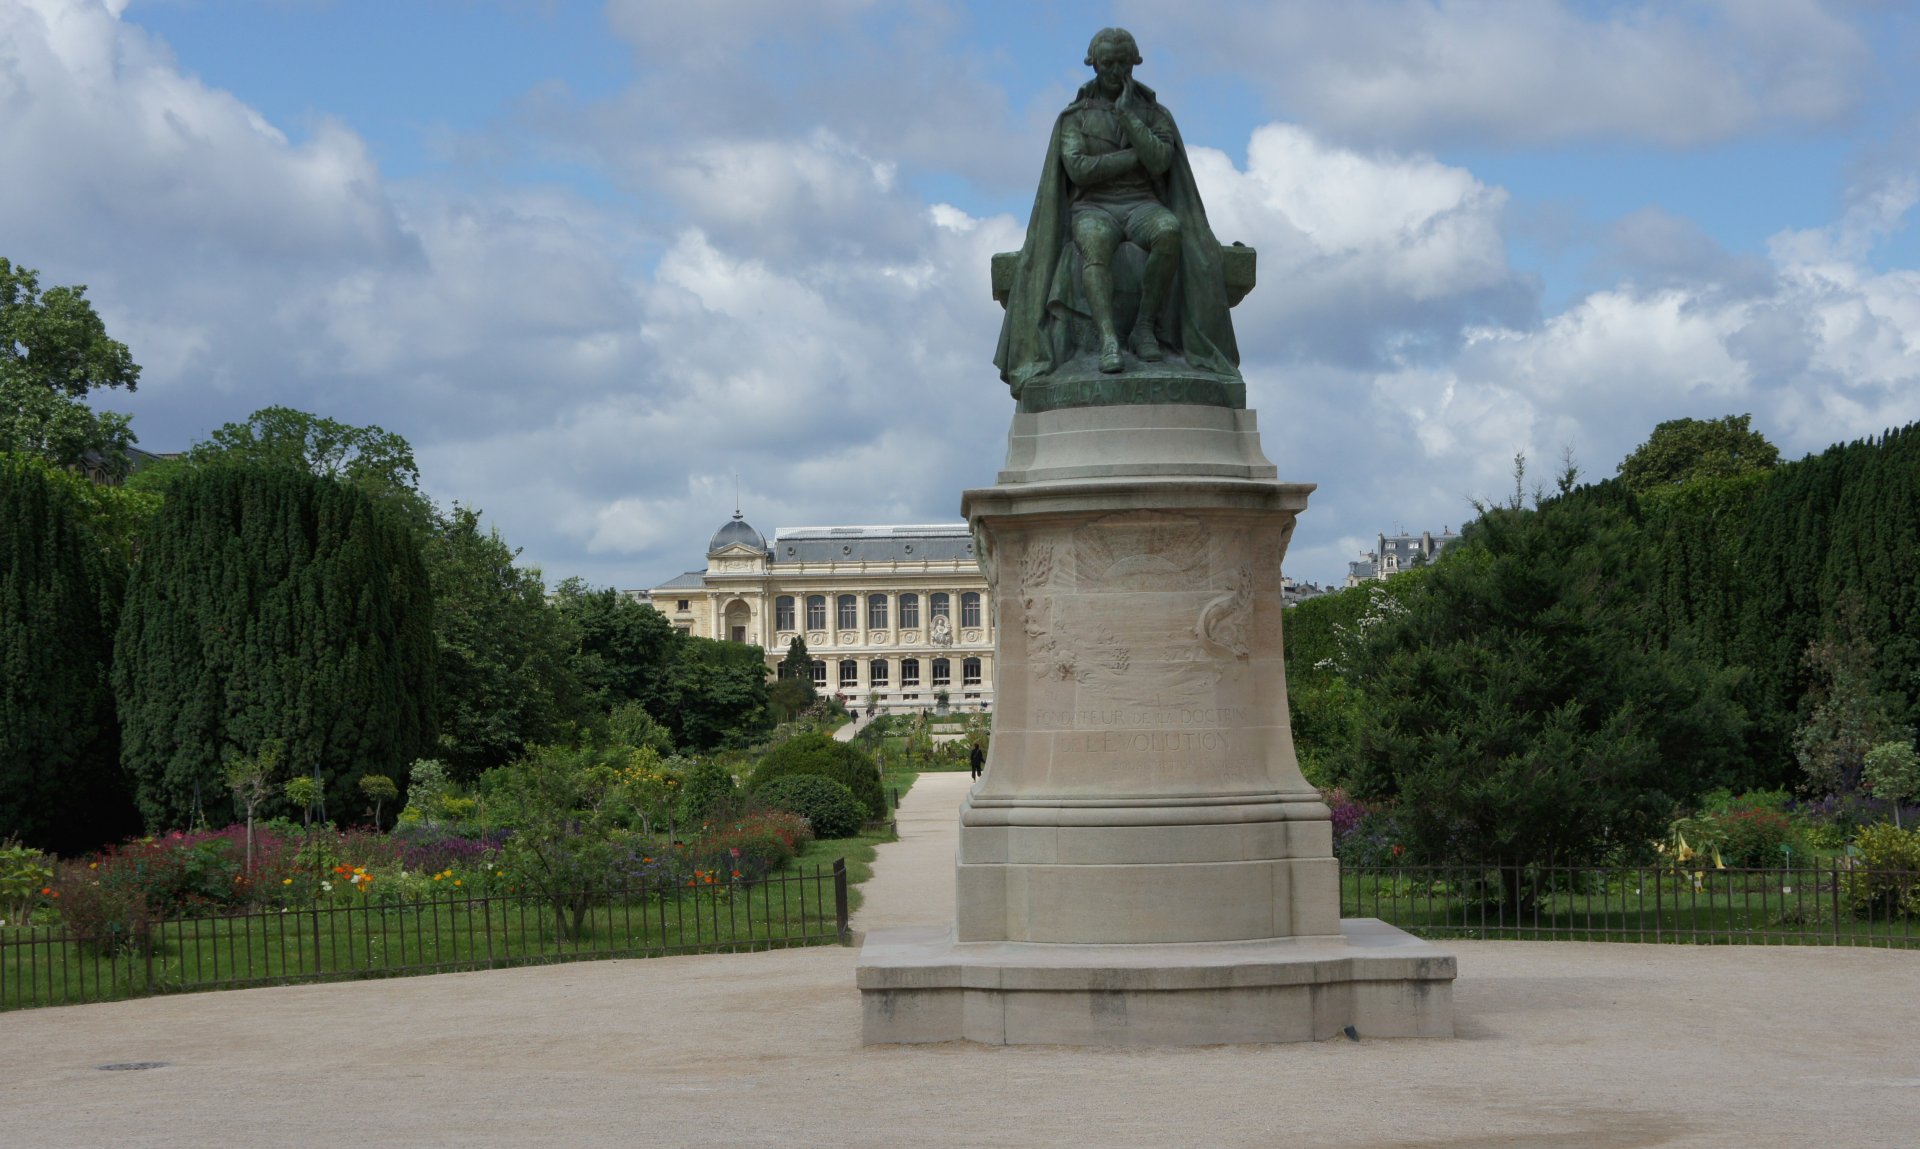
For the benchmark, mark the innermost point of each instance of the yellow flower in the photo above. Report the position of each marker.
(286, 881)
(456, 881)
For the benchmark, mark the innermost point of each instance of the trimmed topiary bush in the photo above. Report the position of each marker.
(830, 808)
(706, 792)
(818, 754)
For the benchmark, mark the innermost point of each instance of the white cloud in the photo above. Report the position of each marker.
(100, 118)
(790, 304)
(1527, 71)
(1361, 254)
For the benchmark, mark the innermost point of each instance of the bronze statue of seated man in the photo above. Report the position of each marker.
(1116, 172)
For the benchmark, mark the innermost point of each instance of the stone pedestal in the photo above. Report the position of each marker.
(1142, 862)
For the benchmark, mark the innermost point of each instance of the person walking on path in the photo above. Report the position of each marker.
(979, 759)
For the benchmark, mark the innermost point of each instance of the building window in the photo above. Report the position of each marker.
(937, 606)
(849, 672)
(739, 634)
(816, 612)
(684, 629)
(683, 604)
(849, 612)
(876, 612)
(819, 672)
(942, 672)
(970, 609)
(783, 612)
(909, 672)
(909, 611)
(970, 672)
(877, 672)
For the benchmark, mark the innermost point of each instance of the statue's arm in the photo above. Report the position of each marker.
(1087, 169)
(1152, 139)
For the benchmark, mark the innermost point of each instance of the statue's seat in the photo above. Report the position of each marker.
(1236, 263)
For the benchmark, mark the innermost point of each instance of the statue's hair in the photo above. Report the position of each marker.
(1119, 38)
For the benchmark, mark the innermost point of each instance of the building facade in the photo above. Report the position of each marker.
(893, 615)
(1395, 553)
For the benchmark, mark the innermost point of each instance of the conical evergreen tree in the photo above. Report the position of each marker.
(267, 605)
(60, 783)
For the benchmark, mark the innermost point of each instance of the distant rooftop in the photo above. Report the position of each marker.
(922, 530)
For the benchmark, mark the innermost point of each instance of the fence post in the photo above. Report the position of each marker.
(1834, 865)
(150, 947)
(840, 901)
(1658, 903)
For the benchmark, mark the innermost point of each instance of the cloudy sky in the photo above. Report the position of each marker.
(594, 260)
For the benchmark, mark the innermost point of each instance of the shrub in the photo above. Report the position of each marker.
(751, 848)
(818, 754)
(1885, 880)
(1752, 838)
(24, 873)
(427, 791)
(706, 791)
(424, 848)
(829, 808)
(1372, 839)
(105, 912)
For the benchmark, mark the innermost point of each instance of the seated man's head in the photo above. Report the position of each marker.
(1112, 55)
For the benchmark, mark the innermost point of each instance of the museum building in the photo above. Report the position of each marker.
(895, 614)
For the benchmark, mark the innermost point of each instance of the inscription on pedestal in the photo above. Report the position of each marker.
(1224, 716)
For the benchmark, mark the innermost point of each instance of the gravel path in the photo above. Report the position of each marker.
(1562, 1046)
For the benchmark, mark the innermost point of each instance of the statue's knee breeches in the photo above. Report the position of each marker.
(1154, 227)
(1096, 235)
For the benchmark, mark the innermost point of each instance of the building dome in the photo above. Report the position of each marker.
(739, 532)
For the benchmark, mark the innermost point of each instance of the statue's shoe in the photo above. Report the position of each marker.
(1145, 345)
(1110, 357)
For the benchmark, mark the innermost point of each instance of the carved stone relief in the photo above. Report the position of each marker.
(1224, 621)
(1146, 617)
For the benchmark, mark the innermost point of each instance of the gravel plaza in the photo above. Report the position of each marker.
(1562, 1045)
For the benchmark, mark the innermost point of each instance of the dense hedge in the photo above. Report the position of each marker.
(1739, 572)
(819, 754)
(60, 782)
(269, 604)
(830, 808)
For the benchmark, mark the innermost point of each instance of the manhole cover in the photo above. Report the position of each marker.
(134, 1065)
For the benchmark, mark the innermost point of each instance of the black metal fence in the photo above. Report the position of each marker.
(1830, 904)
(329, 942)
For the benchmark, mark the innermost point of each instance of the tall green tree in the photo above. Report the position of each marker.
(1848, 717)
(1685, 450)
(54, 351)
(1518, 709)
(378, 462)
(718, 694)
(61, 787)
(269, 604)
(504, 656)
(624, 651)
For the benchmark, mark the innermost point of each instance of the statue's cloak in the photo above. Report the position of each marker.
(1045, 302)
